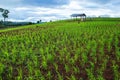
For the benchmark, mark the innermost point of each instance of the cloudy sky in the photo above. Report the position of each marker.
(33, 10)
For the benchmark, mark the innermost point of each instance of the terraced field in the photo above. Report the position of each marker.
(62, 50)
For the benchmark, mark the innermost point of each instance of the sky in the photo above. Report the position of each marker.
(46, 10)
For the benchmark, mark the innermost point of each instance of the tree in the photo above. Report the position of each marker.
(1, 9)
(1, 21)
(39, 21)
(5, 14)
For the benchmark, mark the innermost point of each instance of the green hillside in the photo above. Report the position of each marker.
(62, 50)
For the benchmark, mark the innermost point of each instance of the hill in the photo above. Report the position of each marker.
(62, 50)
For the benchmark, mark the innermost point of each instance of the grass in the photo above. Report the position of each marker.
(61, 50)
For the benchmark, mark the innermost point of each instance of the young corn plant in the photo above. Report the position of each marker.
(60, 77)
(44, 63)
(20, 74)
(67, 68)
(90, 74)
(72, 78)
(49, 75)
(50, 58)
(1, 69)
(116, 72)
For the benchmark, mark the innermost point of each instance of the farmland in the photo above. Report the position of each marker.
(62, 50)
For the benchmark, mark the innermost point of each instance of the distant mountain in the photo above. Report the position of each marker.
(17, 23)
(104, 16)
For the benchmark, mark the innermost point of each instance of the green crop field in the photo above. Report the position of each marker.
(62, 50)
